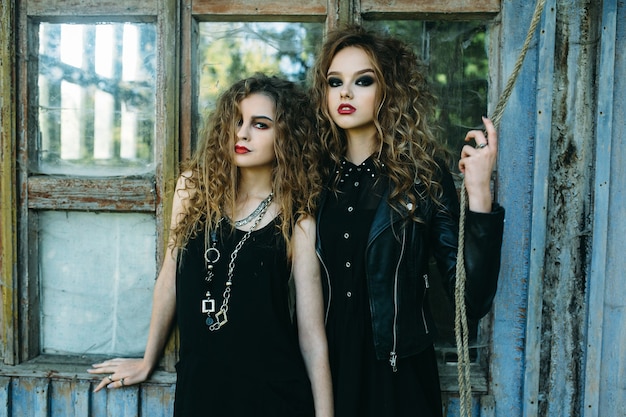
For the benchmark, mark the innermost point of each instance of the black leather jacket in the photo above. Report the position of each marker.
(397, 258)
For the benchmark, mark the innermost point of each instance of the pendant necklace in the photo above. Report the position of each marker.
(215, 320)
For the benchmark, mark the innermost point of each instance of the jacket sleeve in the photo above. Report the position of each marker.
(483, 241)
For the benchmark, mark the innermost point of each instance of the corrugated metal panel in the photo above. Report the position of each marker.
(23, 396)
(157, 401)
(29, 397)
(69, 398)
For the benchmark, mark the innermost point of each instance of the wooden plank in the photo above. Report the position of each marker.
(613, 360)
(515, 180)
(55, 367)
(61, 193)
(8, 219)
(27, 327)
(261, 10)
(543, 134)
(449, 382)
(71, 8)
(601, 214)
(168, 132)
(188, 80)
(407, 9)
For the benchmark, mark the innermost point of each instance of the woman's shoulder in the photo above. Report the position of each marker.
(304, 227)
(186, 184)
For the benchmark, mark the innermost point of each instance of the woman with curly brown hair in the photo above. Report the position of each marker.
(389, 205)
(241, 226)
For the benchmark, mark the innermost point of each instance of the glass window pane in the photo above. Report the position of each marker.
(96, 92)
(454, 54)
(97, 272)
(229, 51)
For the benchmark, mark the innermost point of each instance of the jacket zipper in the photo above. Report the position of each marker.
(426, 287)
(393, 355)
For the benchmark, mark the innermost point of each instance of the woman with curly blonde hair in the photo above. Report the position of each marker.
(389, 205)
(242, 225)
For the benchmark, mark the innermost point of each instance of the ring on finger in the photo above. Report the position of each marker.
(110, 378)
(122, 381)
(481, 145)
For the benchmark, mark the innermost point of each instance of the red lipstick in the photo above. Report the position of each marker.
(241, 149)
(345, 109)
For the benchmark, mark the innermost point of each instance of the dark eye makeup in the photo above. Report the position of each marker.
(334, 82)
(362, 81)
(365, 80)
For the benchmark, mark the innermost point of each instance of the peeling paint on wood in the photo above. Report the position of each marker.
(48, 193)
(581, 126)
(568, 248)
(90, 8)
(260, 10)
(8, 243)
(432, 9)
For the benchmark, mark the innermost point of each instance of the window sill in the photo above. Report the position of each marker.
(71, 368)
(74, 367)
(448, 377)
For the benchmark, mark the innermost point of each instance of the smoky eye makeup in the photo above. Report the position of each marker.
(333, 81)
(365, 80)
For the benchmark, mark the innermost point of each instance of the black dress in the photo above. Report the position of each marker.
(363, 385)
(252, 366)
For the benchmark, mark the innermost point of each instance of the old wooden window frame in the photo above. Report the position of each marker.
(138, 194)
(176, 22)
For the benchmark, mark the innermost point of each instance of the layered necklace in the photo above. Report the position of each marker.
(218, 318)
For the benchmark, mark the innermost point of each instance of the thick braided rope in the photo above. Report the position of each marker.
(460, 323)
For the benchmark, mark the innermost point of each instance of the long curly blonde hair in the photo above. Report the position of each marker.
(408, 152)
(213, 179)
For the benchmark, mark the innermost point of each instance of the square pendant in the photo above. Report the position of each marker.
(208, 306)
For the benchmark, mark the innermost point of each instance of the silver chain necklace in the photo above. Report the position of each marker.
(262, 206)
(215, 320)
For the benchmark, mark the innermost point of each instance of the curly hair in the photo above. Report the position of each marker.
(213, 178)
(407, 149)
